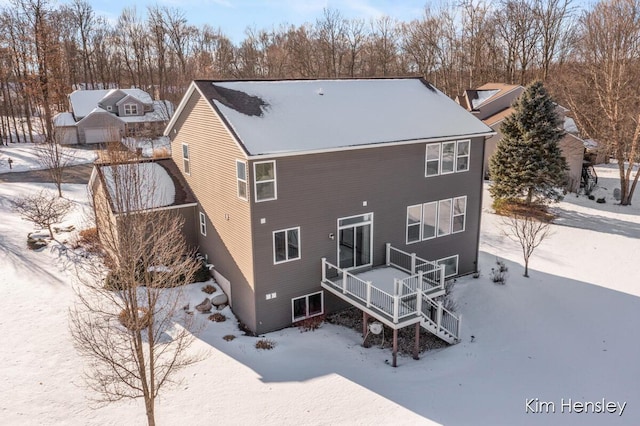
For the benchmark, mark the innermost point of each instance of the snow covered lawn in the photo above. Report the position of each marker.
(568, 332)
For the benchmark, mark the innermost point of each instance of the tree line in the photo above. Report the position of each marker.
(587, 56)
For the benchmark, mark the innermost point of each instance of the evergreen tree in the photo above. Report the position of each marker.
(528, 164)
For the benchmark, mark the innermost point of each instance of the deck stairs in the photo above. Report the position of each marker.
(410, 300)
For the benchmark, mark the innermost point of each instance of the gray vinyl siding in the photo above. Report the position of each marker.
(212, 178)
(315, 190)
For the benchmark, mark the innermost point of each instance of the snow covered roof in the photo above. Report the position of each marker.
(271, 117)
(482, 96)
(64, 119)
(84, 101)
(570, 125)
(159, 182)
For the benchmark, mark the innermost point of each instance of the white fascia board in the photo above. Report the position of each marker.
(370, 146)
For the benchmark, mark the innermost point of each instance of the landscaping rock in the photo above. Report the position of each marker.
(205, 306)
(220, 299)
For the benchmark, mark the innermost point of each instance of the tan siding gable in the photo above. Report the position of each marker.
(213, 154)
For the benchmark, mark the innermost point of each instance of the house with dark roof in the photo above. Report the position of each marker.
(101, 116)
(317, 194)
(492, 103)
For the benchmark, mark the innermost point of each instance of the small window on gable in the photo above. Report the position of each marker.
(462, 156)
(203, 224)
(241, 173)
(450, 265)
(130, 109)
(186, 158)
(265, 180)
(286, 245)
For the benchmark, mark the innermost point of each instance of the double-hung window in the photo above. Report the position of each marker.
(286, 245)
(436, 219)
(459, 214)
(265, 180)
(186, 158)
(130, 109)
(203, 224)
(241, 173)
(447, 157)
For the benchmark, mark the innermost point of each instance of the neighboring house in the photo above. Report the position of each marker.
(304, 185)
(99, 116)
(492, 103)
(159, 185)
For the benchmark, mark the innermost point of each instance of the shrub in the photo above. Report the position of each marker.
(217, 317)
(499, 274)
(228, 337)
(447, 300)
(34, 242)
(133, 324)
(89, 239)
(310, 324)
(265, 344)
(202, 274)
(209, 289)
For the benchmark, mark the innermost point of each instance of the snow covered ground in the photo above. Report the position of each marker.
(24, 157)
(568, 332)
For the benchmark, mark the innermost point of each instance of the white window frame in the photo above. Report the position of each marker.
(203, 224)
(419, 225)
(455, 256)
(458, 156)
(367, 219)
(256, 182)
(453, 165)
(441, 214)
(306, 297)
(428, 160)
(242, 181)
(286, 245)
(439, 161)
(186, 161)
(435, 227)
(454, 215)
(130, 109)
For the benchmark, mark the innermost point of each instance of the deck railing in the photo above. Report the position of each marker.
(433, 275)
(411, 295)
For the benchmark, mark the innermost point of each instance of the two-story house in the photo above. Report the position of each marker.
(101, 116)
(304, 185)
(492, 103)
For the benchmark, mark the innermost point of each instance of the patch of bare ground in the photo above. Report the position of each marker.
(352, 318)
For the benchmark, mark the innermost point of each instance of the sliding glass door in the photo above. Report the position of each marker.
(355, 243)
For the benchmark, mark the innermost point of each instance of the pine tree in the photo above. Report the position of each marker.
(528, 164)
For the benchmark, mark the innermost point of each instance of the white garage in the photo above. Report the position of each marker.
(101, 135)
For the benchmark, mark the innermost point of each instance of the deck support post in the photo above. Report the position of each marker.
(442, 278)
(365, 321)
(324, 269)
(416, 346)
(413, 263)
(388, 254)
(395, 348)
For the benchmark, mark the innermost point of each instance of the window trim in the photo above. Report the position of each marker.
(367, 219)
(186, 161)
(448, 232)
(467, 156)
(435, 225)
(440, 159)
(457, 257)
(306, 297)
(286, 245)
(239, 181)
(256, 182)
(203, 224)
(130, 107)
(419, 224)
(454, 215)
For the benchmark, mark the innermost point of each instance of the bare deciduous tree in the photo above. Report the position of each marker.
(43, 209)
(54, 158)
(131, 325)
(524, 228)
